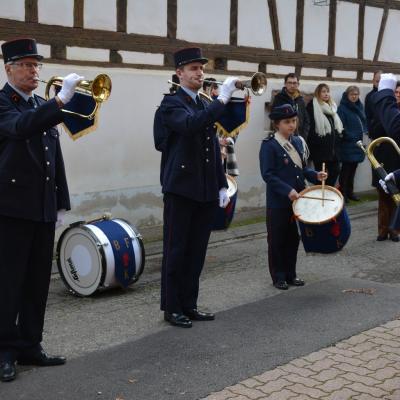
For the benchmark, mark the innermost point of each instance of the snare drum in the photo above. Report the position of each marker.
(224, 216)
(100, 254)
(324, 228)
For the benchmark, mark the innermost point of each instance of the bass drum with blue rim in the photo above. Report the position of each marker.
(100, 254)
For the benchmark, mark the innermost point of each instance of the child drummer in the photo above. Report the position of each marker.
(283, 168)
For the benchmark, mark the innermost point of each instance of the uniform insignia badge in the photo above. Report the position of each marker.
(15, 98)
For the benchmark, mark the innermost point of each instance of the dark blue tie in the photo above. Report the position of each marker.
(199, 103)
(32, 102)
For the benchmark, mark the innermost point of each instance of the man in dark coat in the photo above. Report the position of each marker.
(192, 180)
(290, 94)
(385, 154)
(33, 196)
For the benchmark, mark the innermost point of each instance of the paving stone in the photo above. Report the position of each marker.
(391, 384)
(323, 364)
(282, 395)
(270, 375)
(365, 346)
(316, 356)
(350, 360)
(366, 380)
(394, 395)
(251, 382)
(351, 368)
(343, 352)
(371, 355)
(328, 374)
(374, 391)
(379, 363)
(250, 393)
(299, 362)
(364, 396)
(393, 324)
(342, 394)
(333, 384)
(357, 339)
(295, 370)
(311, 392)
(302, 380)
(385, 373)
(274, 386)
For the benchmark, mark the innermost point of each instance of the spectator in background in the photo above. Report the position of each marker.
(325, 132)
(351, 112)
(290, 94)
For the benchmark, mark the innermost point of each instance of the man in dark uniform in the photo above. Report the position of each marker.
(192, 180)
(33, 196)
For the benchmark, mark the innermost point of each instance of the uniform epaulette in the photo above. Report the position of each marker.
(269, 136)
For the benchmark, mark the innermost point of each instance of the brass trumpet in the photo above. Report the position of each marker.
(257, 83)
(380, 171)
(99, 89)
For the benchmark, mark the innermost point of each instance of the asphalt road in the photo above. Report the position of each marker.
(119, 346)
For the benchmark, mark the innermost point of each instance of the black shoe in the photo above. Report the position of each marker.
(353, 197)
(197, 315)
(282, 285)
(394, 238)
(41, 359)
(296, 282)
(177, 319)
(381, 238)
(8, 371)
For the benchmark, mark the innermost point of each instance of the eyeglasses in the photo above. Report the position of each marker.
(29, 65)
(292, 83)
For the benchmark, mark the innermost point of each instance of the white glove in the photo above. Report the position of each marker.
(227, 88)
(389, 177)
(70, 82)
(388, 81)
(223, 198)
(60, 217)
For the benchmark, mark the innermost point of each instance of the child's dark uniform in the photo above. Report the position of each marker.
(282, 175)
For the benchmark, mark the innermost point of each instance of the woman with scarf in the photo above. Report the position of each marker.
(352, 114)
(325, 132)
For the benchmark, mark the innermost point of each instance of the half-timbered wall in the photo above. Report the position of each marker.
(116, 168)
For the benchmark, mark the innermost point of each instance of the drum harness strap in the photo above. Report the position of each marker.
(289, 148)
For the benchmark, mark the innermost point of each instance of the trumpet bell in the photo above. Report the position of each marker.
(99, 89)
(257, 83)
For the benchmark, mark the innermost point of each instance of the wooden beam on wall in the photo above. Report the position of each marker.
(172, 15)
(122, 15)
(273, 16)
(299, 26)
(360, 40)
(392, 4)
(78, 13)
(31, 11)
(332, 32)
(233, 28)
(381, 32)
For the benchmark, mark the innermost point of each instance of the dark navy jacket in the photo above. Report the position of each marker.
(355, 125)
(33, 184)
(185, 134)
(281, 174)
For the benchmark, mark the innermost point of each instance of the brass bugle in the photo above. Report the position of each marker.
(378, 167)
(99, 89)
(205, 95)
(257, 83)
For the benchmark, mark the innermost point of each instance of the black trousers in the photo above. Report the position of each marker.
(26, 250)
(187, 228)
(346, 178)
(386, 209)
(333, 169)
(283, 243)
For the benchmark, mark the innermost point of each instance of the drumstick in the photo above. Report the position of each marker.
(323, 184)
(315, 198)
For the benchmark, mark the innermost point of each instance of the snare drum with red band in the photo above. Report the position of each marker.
(224, 216)
(324, 225)
(100, 254)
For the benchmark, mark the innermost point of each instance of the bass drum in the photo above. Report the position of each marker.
(224, 216)
(100, 254)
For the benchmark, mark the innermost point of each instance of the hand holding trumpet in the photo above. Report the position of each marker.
(70, 82)
(227, 89)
